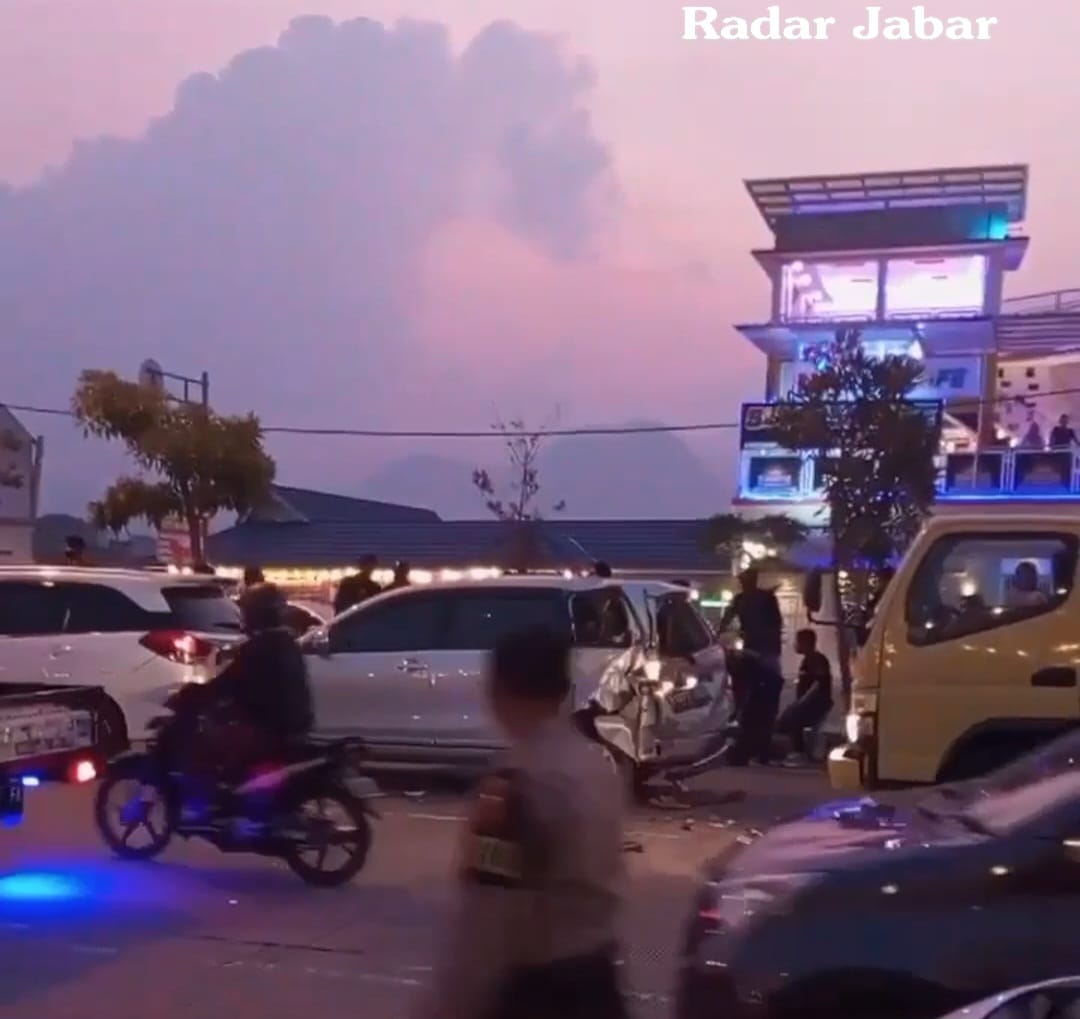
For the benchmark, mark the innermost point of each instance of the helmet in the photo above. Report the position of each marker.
(263, 607)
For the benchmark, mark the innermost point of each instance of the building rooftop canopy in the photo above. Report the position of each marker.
(991, 187)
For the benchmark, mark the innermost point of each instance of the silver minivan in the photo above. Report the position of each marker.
(404, 671)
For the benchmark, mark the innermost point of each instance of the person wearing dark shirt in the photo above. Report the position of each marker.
(759, 617)
(256, 706)
(1061, 435)
(813, 694)
(401, 575)
(357, 587)
(601, 569)
(252, 576)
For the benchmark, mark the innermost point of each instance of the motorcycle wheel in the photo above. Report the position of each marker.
(118, 822)
(353, 836)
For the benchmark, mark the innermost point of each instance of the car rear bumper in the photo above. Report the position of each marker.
(849, 768)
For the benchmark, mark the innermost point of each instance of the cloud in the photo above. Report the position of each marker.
(271, 227)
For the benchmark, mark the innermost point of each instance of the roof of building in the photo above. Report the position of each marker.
(995, 186)
(303, 505)
(669, 545)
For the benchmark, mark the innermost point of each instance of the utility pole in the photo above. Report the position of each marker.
(152, 374)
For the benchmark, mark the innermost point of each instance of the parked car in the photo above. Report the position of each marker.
(1051, 999)
(868, 911)
(405, 670)
(45, 729)
(137, 634)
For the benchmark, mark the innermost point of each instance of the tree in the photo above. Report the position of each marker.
(196, 463)
(874, 446)
(518, 508)
(727, 533)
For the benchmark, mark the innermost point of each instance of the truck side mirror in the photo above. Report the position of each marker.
(811, 593)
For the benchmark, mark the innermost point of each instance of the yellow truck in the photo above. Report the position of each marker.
(971, 656)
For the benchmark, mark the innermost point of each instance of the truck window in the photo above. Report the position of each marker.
(972, 582)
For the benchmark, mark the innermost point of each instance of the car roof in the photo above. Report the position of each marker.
(1003, 522)
(103, 574)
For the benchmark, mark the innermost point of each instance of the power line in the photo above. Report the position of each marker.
(497, 433)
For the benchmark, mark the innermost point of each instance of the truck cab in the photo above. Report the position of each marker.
(971, 656)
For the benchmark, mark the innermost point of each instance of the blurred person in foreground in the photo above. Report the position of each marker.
(532, 935)
(357, 587)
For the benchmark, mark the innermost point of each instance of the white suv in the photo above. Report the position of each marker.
(137, 634)
(405, 669)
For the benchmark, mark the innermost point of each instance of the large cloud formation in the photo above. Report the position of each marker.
(271, 227)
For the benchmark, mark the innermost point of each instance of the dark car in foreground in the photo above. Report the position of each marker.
(862, 910)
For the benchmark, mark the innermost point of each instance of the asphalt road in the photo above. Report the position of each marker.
(199, 933)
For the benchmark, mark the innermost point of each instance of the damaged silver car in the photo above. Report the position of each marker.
(405, 670)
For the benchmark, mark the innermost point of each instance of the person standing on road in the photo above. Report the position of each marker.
(758, 612)
(357, 587)
(533, 931)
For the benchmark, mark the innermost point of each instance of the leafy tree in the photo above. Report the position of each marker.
(727, 532)
(519, 506)
(195, 463)
(874, 446)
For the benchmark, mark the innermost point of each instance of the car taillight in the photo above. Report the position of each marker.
(178, 646)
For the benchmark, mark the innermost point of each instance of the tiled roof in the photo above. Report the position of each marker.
(319, 507)
(670, 545)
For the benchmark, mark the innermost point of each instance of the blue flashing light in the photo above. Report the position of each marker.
(41, 887)
(31, 781)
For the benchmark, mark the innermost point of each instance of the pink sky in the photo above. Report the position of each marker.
(686, 123)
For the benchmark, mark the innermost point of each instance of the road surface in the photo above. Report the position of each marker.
(199, 933)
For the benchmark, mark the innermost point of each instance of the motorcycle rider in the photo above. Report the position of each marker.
(260, 702)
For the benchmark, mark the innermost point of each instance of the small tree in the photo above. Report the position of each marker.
(198, 463)
(727, 533)
(874, 447)
(519, 506)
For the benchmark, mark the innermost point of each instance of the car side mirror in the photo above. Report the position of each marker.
(811, 593)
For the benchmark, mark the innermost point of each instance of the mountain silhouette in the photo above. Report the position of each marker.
(643, 475)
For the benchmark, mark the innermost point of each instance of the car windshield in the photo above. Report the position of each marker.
(205, 609)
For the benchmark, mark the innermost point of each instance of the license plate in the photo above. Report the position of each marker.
(11, 799)
(50, 734)
(687, 700)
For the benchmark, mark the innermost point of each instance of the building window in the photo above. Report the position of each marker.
(934, 287)
(829, 291)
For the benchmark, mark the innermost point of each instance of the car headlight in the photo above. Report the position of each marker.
(858, 726)
(737, 903)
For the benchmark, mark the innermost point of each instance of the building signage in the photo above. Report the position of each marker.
(758, 426)
(944, 378)
(174, 543)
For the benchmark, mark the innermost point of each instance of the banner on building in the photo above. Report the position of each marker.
(174, 543)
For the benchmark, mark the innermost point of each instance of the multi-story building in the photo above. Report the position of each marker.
(916, 260)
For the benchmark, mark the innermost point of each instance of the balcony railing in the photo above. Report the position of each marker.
(776, 475)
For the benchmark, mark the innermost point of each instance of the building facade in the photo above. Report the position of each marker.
(917, 261)
(20, 480)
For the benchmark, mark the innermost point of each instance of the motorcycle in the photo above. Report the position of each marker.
(281, 812)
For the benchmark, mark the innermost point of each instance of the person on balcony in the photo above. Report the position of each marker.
(1033, 437)
(1061, 435)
